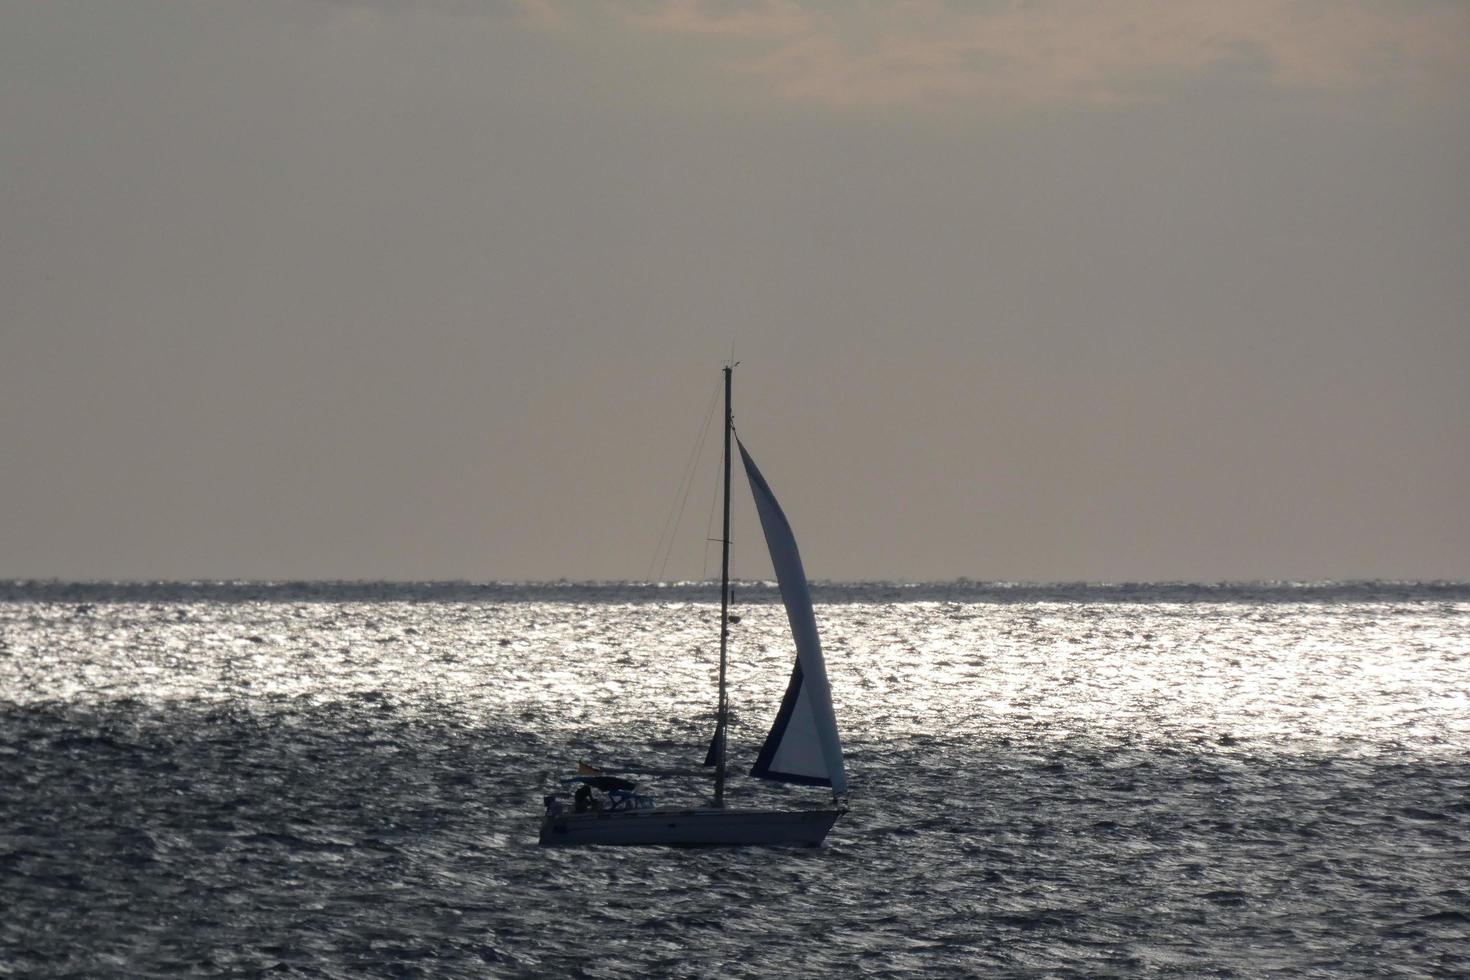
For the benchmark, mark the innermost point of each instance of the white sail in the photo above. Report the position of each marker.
(802, 746)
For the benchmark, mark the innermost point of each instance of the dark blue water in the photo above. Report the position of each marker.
(344, 780)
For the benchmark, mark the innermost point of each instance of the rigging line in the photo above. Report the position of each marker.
(686, 481)
(709, 523)
(714, 503)
(681, 491)
(689, 484)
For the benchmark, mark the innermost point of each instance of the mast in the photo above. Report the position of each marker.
(724, 705)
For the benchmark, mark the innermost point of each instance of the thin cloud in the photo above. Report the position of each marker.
(918, 52)
(771, 19)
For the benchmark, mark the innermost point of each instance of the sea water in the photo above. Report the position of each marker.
(345, 780)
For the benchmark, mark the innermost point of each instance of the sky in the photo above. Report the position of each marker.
(1045, 290)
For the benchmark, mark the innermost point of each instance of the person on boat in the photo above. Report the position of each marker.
(554, 806)
(582, 799)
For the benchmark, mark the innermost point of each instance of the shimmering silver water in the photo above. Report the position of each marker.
(344, 780)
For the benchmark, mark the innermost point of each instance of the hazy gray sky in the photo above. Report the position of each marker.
(1043, 290)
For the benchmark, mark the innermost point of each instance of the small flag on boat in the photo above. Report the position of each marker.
(583, 769)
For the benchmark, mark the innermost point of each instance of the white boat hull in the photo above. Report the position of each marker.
(689, 828)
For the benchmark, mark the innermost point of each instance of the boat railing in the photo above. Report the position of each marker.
(623, 800)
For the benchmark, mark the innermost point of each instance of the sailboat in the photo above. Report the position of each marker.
(802, 747)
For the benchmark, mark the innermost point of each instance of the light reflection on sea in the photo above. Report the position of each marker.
(324, 780)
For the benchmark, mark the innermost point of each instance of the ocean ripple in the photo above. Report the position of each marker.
(311, 780)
